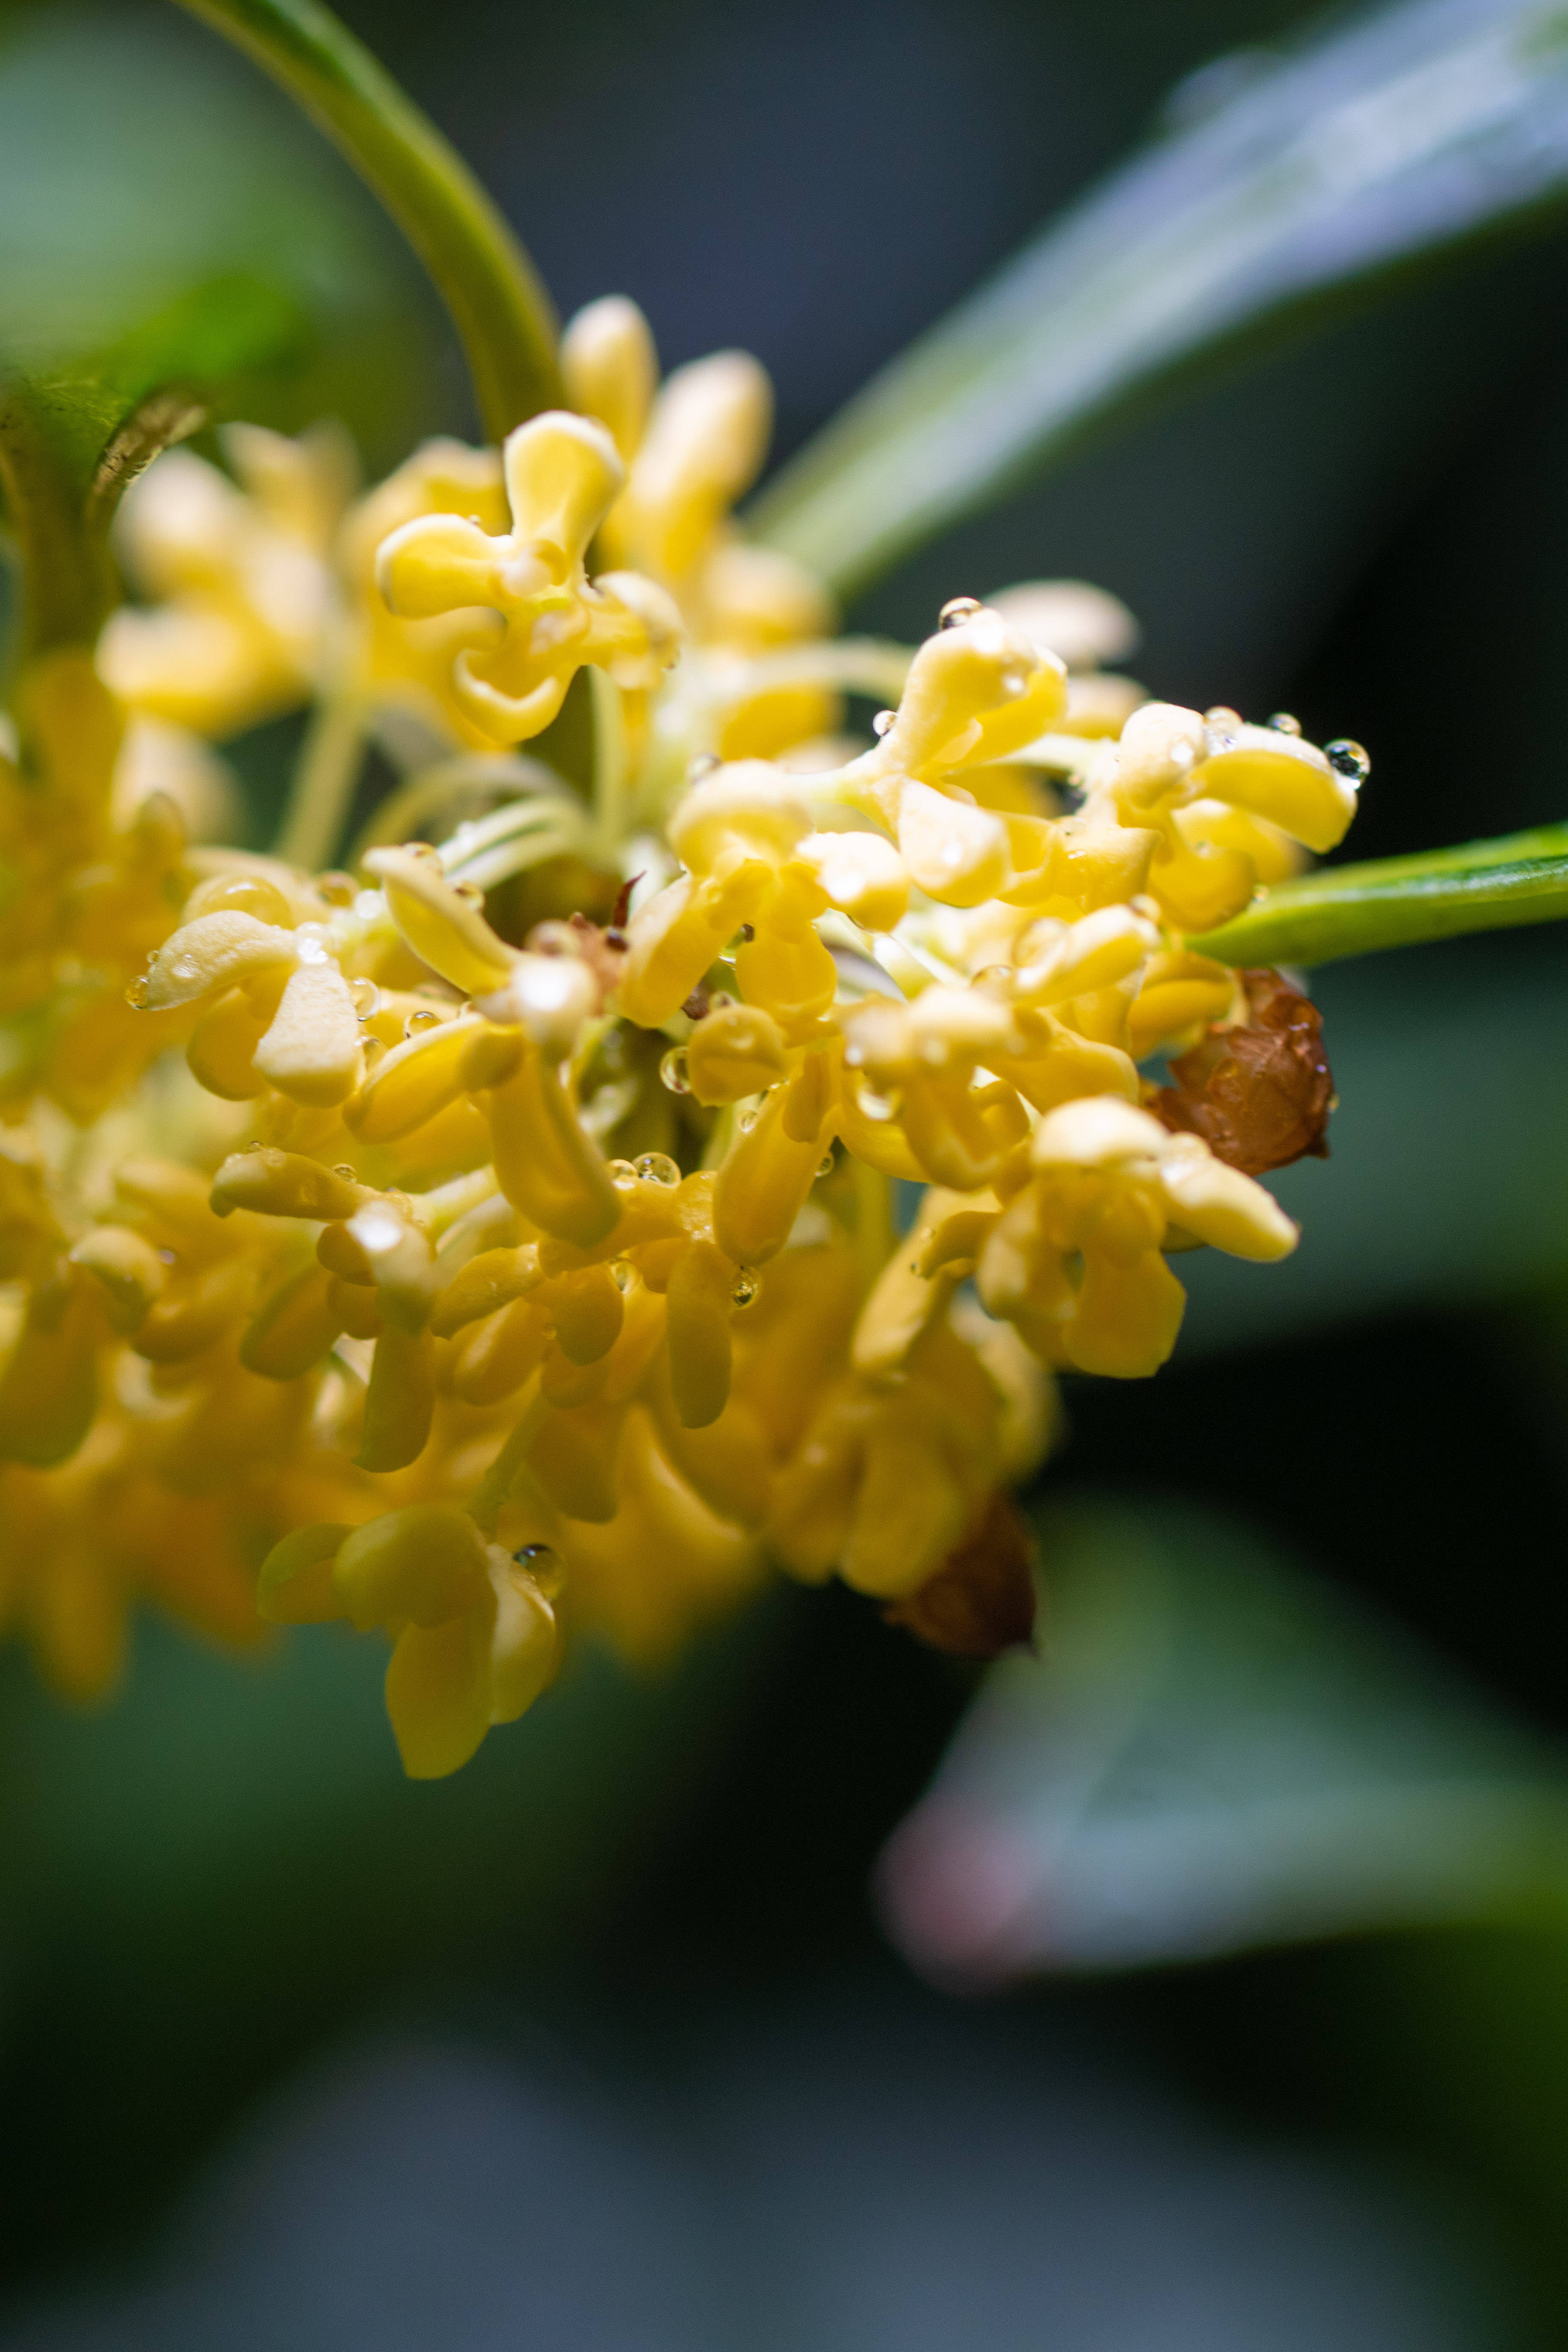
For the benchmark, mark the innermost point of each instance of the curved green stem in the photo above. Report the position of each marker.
(501, 310)
(1396, 902)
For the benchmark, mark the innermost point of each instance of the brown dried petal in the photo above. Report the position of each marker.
(980, 1600)
(1258, 1094)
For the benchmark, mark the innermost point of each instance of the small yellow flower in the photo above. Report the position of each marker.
(546, 617)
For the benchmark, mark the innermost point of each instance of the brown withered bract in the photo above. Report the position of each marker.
(1259, 1093)
(982, 1598)
(601, 947)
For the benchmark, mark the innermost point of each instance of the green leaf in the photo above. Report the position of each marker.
(175, 244)
(1399, 902)
(1395, 136)
(1215, 1753)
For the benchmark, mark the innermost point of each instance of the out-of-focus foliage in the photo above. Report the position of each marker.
(1412, 128)
(174, 240)
(1216, 1754)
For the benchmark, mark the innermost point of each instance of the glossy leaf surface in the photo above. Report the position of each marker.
(1399, 902)
(1302, 177)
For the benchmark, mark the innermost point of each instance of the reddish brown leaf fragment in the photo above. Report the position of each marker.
(623, 905)
(1259, 1093)
(980, 1600)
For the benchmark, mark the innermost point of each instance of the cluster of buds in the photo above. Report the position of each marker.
(505, 1235)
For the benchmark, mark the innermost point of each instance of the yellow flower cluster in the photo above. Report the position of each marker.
(474, 1261)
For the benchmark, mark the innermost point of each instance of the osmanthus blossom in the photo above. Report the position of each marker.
(515, 1232)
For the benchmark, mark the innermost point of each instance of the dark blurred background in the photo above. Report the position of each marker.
(619, 1993)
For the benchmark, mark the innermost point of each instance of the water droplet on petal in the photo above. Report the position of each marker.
(657, 1168)
(1285, 723)
(624, 1273)
(1223, 717)
(875, 1105)
(139, 994)
(747, 1283)
(883, 720)
(622, 1172)
(421, 849)
(252, 1147)
(746, 1120)
(338, 890)
(826, 1167)
(672, 1071)
(418, 1021)
(470, 893)
(366, 997)
(1348, 759)
(957, 610)
(350, 1174)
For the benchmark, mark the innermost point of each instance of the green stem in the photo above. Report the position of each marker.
(323, 787)
(498, 305)
(1397, 902)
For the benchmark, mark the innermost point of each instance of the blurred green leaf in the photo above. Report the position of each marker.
(1400, 902)
(1215, 1753)
(204, 1875)
(1381, 140)
(174, 243)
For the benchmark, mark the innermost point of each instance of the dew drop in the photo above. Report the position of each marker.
(1348, 759)
(541, 1562)
(746, 1120)
(883, 720)
(418, 1021)
(747, 1283)
(957, 610)
(655, 1168)
(876, 1106)
(1223, 717)
(349, 1174)
(366, 997)
(398, 1200)
(624, 1273)
(249, 1148)
(622, 1172)
(672, 1071)
(1285, 723)
(470, 893)
(421, 849)
(139, 994)
(826, 1166)
(995, 978)
(338, 890)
